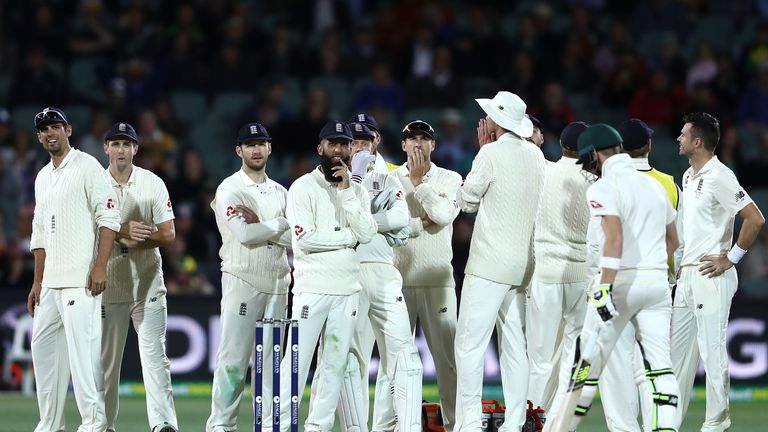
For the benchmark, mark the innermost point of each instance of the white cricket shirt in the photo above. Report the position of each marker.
(132, 273)
(327, 224)
(712, 198)
(394, 219)
(504, 188)
(643, 207)
(560, 234)
(254, 252)
(72, 201)
(426, 260)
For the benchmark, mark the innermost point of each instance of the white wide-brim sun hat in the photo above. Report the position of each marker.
(508, 111)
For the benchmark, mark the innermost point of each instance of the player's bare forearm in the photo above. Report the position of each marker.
(673, 242)
(164, 236)
(39, 255)
(33, 300)
(753, 223)
(107, 238)
(612, 246)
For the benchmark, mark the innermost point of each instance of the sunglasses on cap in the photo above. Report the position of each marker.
(50, 115)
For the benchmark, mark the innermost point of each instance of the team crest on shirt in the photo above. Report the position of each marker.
(595, 205)
(699, 186)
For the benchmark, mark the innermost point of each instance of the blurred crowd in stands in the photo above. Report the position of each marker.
(188, 73)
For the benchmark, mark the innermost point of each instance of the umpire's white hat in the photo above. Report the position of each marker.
(508, 111)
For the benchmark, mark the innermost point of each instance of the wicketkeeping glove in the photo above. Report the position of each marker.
(398, 238)
(360, 162)
(383, 201)
(602, 297)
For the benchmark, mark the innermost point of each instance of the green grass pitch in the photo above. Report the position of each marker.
(19, 414)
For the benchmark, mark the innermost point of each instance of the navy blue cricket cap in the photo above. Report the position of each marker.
(50, 115)
(252, 132)
(121, 130)
(335, 129)
(569, 137)
(361, 131)
(365, 119)
(536, 122)
(635, 134)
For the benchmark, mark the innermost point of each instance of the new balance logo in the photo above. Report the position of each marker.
(103, 312)
(399, 298)
(443, 310)
(354, 313)
(243, 309)
(71, 302)
(304, 312)
(153, 299)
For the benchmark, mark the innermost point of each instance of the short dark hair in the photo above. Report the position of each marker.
(704, 126)
(638, 153)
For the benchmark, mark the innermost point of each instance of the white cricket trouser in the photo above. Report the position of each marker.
(150, 318)
(435, 309)
(699, 321)
(482, 301)
(554, 314)
(642, 298)
(241, 307)
(383, 310)
(66, 336)
(619, 393)
(333, 317)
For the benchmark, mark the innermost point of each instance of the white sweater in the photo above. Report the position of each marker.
(561, 224)
(254, 252)
(132, 273)
(394, 219)
(72, 201)
(426, 260)
(327, 225)
(503, 187)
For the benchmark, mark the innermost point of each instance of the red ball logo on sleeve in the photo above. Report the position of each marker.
(169, 203)
(110, 203)
(230, 211)
(298, 230)
(595, 204)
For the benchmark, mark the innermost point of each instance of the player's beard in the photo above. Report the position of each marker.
(254, 165)
(327, 163)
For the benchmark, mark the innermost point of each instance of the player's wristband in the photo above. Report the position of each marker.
(610, 263)
(736, 254)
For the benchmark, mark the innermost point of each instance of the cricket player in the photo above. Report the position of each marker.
(713, 197)
(638, 234)
(425, 262)
(330, 217)
(555, 305)
(382, 304)
(618, 394)
(73, 229)
(537, 136)
(370, 122)
(250, 215)
(505, 183)
(135, 277)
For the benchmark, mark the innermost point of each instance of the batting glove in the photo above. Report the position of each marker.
(602, 298)
(360, 162)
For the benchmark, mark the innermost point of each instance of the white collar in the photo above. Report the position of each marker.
(131, 178)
